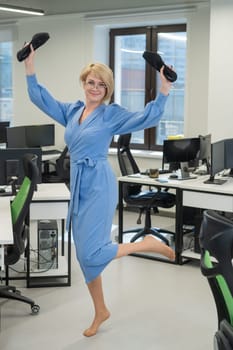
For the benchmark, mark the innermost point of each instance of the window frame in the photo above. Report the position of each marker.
(151, 33)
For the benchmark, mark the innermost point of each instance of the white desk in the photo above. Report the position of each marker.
(50, 193)
(6, 236)
(49, 202)
(191, 193)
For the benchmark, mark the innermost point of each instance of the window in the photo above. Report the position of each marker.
(6, 98)
(136, 82)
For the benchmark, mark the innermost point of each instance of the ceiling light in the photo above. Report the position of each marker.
(18, 9)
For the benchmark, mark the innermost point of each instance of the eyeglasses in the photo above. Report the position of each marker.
(92, 85)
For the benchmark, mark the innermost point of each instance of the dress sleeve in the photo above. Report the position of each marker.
(121, 121)
(46, 102)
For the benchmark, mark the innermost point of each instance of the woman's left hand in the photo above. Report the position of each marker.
(165, 84)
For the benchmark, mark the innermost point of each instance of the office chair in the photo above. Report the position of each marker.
(62, 169)
(63, 166)
(19, 212)
(216, 244)
(135, 196)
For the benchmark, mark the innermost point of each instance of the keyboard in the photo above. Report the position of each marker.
(6, 194)
(161, 171)
(50, 152)
(164, 171)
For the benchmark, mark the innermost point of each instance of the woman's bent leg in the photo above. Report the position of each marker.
(148, 244)
(101, 311)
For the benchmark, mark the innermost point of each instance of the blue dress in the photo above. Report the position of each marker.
(93, 184)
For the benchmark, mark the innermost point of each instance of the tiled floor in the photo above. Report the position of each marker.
(154, 306)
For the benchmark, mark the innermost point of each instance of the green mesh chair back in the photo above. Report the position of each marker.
(216, 243)
(20, 208)
(21, 197)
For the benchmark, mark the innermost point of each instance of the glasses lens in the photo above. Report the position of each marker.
(91, 84)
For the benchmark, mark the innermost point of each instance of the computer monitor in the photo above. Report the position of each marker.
(40, 135)
(31, 136)
(180, 151)
(229, 155)
(3, 134)
(11, 163)
(16, 137)
(217, 162)
(205, 150)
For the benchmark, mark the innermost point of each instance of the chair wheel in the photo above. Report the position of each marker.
(35, 309)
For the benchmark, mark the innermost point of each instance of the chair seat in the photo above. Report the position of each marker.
(152, 198)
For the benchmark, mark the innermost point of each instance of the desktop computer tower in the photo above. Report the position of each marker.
(47, 244)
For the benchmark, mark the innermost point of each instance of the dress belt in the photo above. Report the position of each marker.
(77, 169)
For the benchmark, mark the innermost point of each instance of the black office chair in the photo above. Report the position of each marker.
(19, 212)
(216, 244)
(223, 339)
(145, 201)
(61, 167)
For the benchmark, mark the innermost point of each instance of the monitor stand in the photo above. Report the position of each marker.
(214, 181)
(184, 169)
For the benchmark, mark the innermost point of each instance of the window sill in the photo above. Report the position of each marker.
(140, 153)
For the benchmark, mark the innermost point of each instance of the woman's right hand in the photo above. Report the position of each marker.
(29, 62)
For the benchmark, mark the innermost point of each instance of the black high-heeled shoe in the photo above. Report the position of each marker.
(37, 40)
(155, 60)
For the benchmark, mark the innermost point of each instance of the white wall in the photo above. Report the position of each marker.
(220, 103)
(196, 105)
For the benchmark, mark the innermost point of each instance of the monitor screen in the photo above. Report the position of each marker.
(31, 136)
(217, 162)
(229, 154)
(40, 135)
(16, 137)
(205, 148)
(3, 128)
(11, 163)
(217, 157)
(181, 150)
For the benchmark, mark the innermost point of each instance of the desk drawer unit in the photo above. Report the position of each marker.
(208, 200)
(48, 210)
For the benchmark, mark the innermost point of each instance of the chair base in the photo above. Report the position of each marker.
(10, 292)
(157, 232)
(223, 338)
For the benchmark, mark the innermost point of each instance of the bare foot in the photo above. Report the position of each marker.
(154, 245)
(98, 320)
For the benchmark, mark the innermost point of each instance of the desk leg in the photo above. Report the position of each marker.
(120, 213)
(27, 252)
(2, 266)
(179, 226)
(63, 237)
(69, 256)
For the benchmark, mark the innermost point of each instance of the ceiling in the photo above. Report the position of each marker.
(58, 7)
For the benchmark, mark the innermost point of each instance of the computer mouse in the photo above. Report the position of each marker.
(173, 176)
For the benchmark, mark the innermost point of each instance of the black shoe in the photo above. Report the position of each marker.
(37, 40)
(154, 60)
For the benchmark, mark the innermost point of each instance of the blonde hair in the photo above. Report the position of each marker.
(100, 71)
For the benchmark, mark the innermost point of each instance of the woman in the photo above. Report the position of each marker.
(89, 128)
